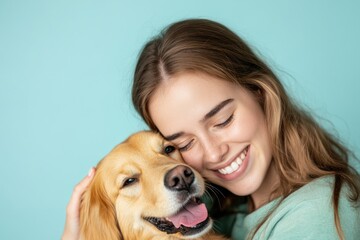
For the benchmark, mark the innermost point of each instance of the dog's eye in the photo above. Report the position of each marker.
(169, 149)
(129, 181)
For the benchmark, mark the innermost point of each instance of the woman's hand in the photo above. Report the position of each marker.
(72, 223)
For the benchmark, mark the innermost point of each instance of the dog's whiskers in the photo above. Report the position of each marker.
(216, 227)
(212, 191)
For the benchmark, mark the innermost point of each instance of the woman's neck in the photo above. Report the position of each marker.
(265, 193)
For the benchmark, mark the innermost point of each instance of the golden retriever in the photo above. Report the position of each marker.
(142, 190)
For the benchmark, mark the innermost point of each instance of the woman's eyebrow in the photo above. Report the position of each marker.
(217, 108)
(173, 136)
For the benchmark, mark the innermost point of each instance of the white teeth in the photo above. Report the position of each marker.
(229, 169)
(234, 165)
(239, 161)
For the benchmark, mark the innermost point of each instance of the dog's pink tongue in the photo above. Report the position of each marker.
(190, 215)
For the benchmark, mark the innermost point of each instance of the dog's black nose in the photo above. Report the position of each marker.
(179, 178)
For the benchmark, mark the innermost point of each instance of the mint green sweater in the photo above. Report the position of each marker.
(305, 214)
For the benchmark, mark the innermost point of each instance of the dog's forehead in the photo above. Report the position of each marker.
(138, 147)
(146, 141)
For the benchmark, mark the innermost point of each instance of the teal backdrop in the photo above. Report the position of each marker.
(65, 77)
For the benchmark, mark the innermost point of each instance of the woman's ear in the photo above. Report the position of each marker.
(97, 213)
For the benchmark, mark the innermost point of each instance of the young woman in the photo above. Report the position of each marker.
(205, 91)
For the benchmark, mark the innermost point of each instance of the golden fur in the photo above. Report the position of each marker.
(129, 186)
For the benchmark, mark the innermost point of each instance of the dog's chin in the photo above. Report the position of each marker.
(191, 220)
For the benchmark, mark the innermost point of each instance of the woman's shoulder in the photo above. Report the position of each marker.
(308, 212)
(319, 193)
(316, 190)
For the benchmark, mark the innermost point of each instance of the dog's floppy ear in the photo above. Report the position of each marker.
(97, 214)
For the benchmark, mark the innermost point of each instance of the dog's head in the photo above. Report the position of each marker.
(143, 189)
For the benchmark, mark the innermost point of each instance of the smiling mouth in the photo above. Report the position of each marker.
(191, 219)
(235, 165)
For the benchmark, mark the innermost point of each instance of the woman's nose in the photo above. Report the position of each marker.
(214, 149)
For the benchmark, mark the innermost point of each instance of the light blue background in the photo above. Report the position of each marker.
(65, 78)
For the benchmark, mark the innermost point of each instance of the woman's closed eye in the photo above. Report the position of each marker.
(186, 147)
(220, 125)
(226, 122)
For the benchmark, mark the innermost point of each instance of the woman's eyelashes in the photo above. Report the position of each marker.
(220, 125)
(226, 122)
(186, 147)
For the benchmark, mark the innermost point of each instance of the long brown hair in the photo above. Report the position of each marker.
(302, 149)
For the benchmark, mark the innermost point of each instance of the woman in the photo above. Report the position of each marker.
(206, 92)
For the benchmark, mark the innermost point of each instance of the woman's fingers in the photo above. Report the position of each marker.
(72, 224)
(73, 208)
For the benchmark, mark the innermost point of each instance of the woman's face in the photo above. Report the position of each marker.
(218, 127)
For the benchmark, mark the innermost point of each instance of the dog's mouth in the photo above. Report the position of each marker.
(191, 219)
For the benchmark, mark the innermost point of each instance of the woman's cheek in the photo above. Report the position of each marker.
(193, 159)
(244, 128)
